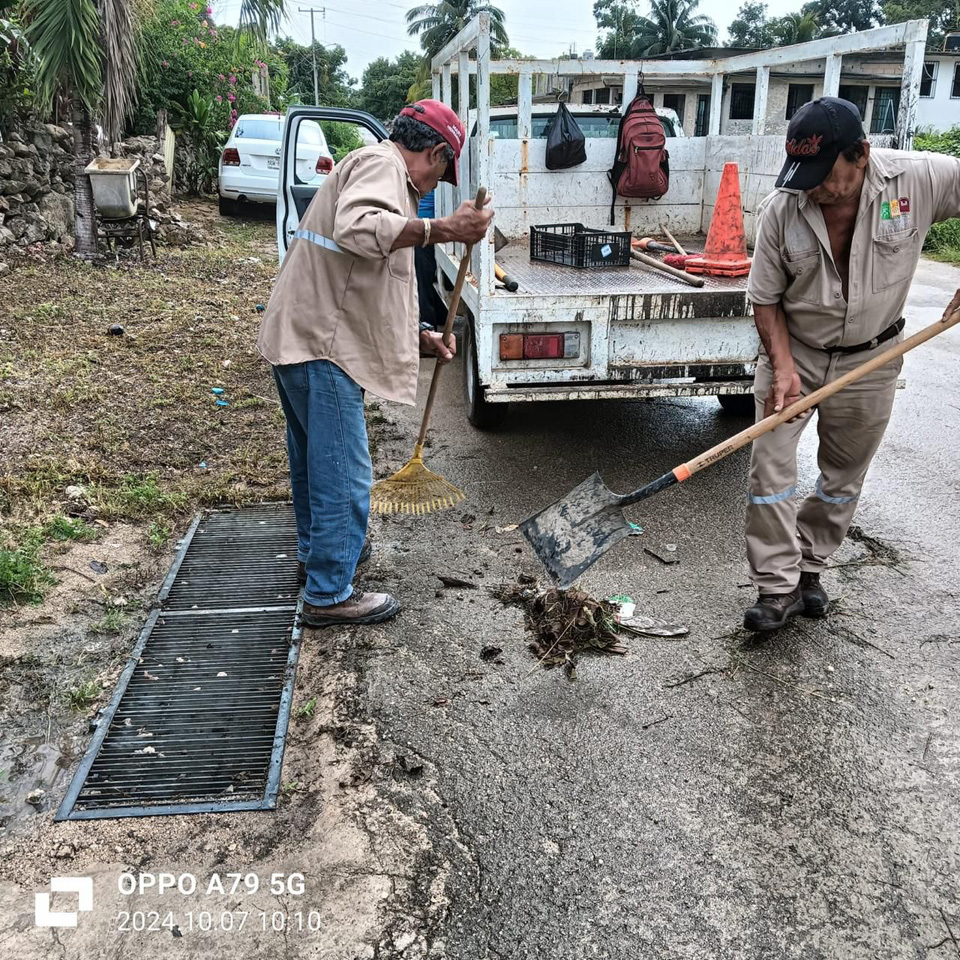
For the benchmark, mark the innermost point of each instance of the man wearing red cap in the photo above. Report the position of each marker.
(343, 319)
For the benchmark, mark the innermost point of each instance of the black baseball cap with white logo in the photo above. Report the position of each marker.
(818, 133)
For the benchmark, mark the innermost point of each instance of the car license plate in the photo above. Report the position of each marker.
(273, 163)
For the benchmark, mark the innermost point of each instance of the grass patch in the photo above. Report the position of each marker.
(23, 577)
(158, 535)
(114, 621)
(69, 528)
(80, 697)
(943, 239)
(307, 710)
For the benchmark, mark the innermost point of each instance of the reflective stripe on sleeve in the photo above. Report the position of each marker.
(773, 497)
(319, 240)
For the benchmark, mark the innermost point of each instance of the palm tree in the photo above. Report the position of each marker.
(88, 52)
(795, 28)
(438, 23)
(672, 25)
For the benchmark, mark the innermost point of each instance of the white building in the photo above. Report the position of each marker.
(871, 80)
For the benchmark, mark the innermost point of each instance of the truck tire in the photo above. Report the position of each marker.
(226, 207)
(481, 414)
(737, 404)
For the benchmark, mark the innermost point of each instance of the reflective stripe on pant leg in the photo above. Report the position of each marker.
(828, 499)
(773, 497)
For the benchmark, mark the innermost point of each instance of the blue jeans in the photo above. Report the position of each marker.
(330, 474)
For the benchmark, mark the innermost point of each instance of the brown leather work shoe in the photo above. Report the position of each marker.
(365, 552)
(772, 611)
(360, 608)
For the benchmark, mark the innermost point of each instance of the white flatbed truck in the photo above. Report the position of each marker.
(628, 332)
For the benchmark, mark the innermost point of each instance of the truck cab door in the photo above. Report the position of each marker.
(300, 174)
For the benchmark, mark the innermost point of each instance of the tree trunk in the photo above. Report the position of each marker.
(83, 153)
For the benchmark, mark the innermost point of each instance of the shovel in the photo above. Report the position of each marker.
(570, 535)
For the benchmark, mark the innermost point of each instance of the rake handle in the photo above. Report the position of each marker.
(666, 268)
(448, 326)
(728, 446)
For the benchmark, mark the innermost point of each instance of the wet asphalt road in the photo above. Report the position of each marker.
(801, 801)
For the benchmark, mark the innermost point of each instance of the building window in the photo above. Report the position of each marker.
(588, 96)
(702, 125)
(955, 92)
(676, 102)
(856, 95)
(886, 103)
(797, 95)
(742, 96)
(602, 95)
(928, 82)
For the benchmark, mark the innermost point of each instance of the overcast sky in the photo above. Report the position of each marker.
(368, 29)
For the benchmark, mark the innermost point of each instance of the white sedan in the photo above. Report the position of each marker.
(250, 162)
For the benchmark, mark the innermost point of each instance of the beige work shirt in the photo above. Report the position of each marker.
(341, 295)
(903, 194)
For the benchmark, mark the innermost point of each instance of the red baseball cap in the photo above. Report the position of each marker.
(438, 116)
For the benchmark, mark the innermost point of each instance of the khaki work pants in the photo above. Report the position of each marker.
(783, 540)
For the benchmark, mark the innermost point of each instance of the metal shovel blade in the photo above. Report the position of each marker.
(570, 535)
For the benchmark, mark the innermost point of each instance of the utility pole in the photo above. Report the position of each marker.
(313, 47)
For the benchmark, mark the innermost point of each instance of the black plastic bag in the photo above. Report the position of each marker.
(566, 145)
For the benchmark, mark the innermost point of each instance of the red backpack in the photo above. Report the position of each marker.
(641, 168)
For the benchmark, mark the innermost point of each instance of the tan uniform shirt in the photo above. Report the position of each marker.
(341, 295)
(903, 194)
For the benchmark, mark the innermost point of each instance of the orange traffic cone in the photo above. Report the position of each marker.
(725, 254)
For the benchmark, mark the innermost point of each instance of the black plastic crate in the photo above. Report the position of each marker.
(574, 245)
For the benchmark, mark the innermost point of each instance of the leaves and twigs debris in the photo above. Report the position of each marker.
(799, 688)
(460, 582)
(491, 654)
(410, 765)
(509, 528)
(565, 624)
(657, 722)
(667, 554)
(690, 677)
(97, 567)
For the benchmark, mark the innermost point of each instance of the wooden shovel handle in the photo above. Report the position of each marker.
(448, 326)
(809, 402)
(666, 268)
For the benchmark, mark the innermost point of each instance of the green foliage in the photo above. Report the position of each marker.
(438, 23)
(386, 83)
(751, 27)
(943, 15)
(943, 239)
(158, 535)
(307, 710)
(185, 51)
(83, 695)
(68, 528)
(672, 25)
(139, 497)
(844, 16)
(197, 122)
(334, 87)
(503, 88)
(114, 621)
(342, 138)
(16, 72)
(23, 578)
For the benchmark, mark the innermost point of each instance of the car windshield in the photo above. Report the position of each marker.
(258, 128)
(592, 125)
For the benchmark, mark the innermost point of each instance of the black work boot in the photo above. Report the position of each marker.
(815, 599)
(772, 611)
(365, 552)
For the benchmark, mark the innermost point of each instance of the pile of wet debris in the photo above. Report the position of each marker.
(568, 623)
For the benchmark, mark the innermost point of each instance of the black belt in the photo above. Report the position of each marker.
(883, 337)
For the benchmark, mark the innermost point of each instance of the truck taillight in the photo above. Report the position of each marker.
(539, 346)
(231, 157)
(324, 165)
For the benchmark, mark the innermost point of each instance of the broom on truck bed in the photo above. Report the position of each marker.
(414, 488)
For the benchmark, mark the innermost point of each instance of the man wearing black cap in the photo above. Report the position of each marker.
(837, 246)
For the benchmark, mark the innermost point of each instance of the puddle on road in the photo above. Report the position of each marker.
(27, 765)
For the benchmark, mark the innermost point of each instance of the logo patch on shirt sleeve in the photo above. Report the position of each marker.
(904, 204)
(885, 210)
(894, 208)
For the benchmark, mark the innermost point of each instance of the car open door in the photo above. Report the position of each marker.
(297, 186)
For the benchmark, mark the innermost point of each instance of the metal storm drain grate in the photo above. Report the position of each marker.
(199, 717)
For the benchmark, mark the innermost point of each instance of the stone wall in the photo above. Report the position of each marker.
(36, 187)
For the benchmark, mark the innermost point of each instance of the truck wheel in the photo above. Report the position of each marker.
(738, 404)
(481, 414)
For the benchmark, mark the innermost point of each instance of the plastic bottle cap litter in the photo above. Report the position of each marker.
(223, 403)
(216, 390)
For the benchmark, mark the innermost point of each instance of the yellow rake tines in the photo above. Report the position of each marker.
(415, 490)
